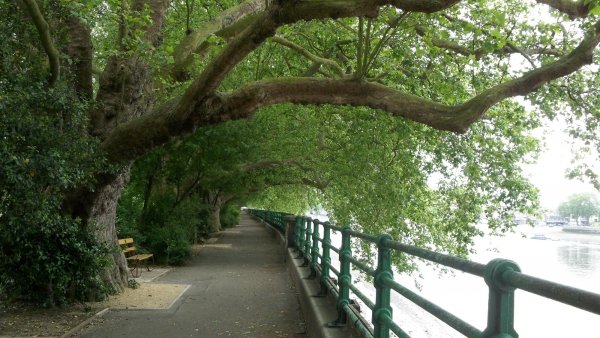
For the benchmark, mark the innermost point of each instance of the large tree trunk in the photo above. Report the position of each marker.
(214, 201)
(214, 218)
(125, 93)
(102, 218)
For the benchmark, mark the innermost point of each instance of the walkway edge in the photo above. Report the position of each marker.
(317, 311)
(85, 323)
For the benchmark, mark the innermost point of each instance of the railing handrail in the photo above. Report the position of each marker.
(502, 277)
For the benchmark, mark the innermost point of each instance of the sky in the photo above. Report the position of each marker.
(548, 174)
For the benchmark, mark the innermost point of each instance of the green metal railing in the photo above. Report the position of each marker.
(502, 277)
(276, 219)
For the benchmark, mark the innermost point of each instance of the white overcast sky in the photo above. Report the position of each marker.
(548, 174)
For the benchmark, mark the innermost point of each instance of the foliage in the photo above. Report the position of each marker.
(584, 205)
(166, 231)
(230, 215)
(45, 152)
(397, 76)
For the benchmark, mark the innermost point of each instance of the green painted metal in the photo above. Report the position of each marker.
(307, 242)
(314, 253)
(325, 260)
(502, 276)
(301, 233)
(445, 316)
(344, 279)
(382, 313)
(298, 236)
(501, 303)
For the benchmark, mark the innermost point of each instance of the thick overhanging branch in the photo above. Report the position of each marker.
(244, 101)
(202, 106)
(266, 23)
(532, 80)
(574, 9)
(424, 6)
(44, 30)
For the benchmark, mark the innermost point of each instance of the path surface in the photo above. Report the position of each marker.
(240, 288)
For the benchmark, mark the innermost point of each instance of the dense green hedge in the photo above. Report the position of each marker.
(45, 151)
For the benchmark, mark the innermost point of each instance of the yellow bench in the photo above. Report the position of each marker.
(134, 259)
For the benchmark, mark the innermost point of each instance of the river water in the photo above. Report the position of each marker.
(566, 258)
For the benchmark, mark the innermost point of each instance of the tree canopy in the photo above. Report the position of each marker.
(582, 205)
(396, 116)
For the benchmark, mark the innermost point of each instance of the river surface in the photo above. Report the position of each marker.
(566, 258)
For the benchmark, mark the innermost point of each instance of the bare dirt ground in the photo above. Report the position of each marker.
(26, 320)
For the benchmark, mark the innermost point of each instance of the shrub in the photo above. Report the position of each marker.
(230, 215)
(45, 151)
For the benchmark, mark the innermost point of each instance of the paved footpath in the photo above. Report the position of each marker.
(240, 288)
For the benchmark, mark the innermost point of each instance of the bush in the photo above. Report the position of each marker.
(230, 215)
(53, 263)
(45, 152)
(166, 231)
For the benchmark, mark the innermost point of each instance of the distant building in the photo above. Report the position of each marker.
(553, 220)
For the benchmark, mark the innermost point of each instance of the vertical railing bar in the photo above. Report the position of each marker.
(344, 280)
(315, 250)
(307, 243)
(382, 313)
(325, 260)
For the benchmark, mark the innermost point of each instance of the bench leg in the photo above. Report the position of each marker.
(148, 263)
(135, 270)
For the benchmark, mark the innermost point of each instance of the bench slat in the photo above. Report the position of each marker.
(125, 241)
(140, 257)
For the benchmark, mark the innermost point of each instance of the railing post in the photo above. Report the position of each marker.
(344, 279)
(307, 236)
(326, 260)
(315, 250)
(290, 231)
(300, 233)
(382, 312)
(501, 304)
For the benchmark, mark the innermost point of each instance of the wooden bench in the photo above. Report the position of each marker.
(134, 259)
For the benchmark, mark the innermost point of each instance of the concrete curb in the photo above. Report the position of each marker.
(179, 297)
(85, 323)
(318, 311)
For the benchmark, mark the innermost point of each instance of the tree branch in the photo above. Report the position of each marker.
(79, 48)
(509, 48)
(44, 30)
(228, 22)
(201, 106)
(136, 137)
(302, 51)
(265, 25)
(574, 9)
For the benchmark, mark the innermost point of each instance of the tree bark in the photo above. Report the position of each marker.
(214, 201)
(101, 222)
(125, 94)
(214, 218)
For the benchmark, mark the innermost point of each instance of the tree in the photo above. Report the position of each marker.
(161, 70)
(582, 205)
